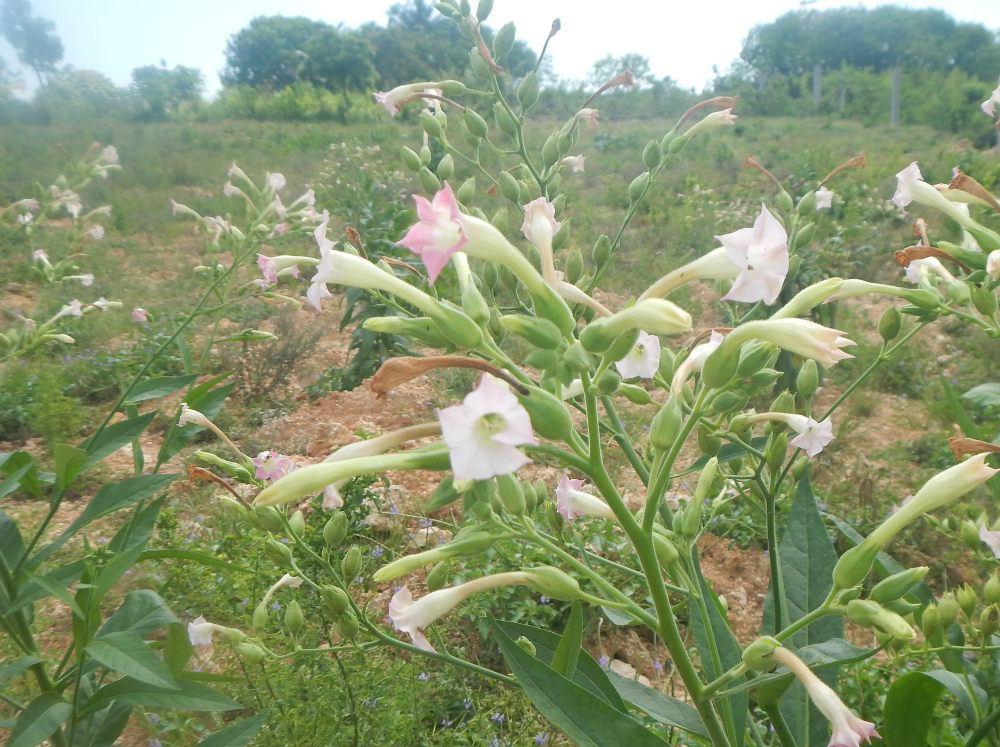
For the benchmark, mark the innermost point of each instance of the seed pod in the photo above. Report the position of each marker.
(335, 600)
(278, 553)
(807, 380)
(446, 167)
(608, 381)
(350, 566)
(638, 186)
(651, 155)
(574, 266)
(335, 530)
(890, 324)
(804, 235)
(548, 414)
(251, 652)
(602, 250)
(425, 155)
(503, 42)
(506, 122)
(260, 618)
(297, 523)
(428, 182)
(666, 552)
(438, 576)
(948, 608)
(539, 332)
(784, 201)
(430, 124)
(294, 619)
(348, 626)
(509, 187)
(527, 92)
(991, 589)
(475, 123)
(578, 359)
(967, 600)
(410, 159)
(666, 424)
(708, 441)
(511, 494)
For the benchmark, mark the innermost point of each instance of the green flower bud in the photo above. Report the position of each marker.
(666, 425)
(807, 381)
(930, 623)
(989, 621)
(553, 583)
(297, 523)
(719, 368)
(278, 553)
(539, 332)
(784, 201)
(638, 187)
(608, 381)
(438, 576)
(335, 600)
(410, 159)
(897, 585)
(807, 203)
(776, 451)
(635, 394)
(506, 122)
(251, 652)
(666, 552)
(294, 620)
(872, 614)
(420, 328)
(784, 402)
(466, 190)
(549, 417)
(967, 600)
(602, 250)
(425, 155)
(509, 187)
(854, 565)
(347, 626)
(260, 618)
(948, 608)
(428, 182)
(526, 645)
(475, 123)
(969, 534)
(804, 235)
(984, 299)
(335, 530)
(574, 266)
(578, 359)
(270, 519)
(754, 356)
(503, 42)
(724, 402)
(542, 359)
(446, 167)
(550, 150)
(430, 124)
(527, 92)
(350, 566)
(708, 440)
(511, 494)
(758, 655)
(991, 589)
(651, 155)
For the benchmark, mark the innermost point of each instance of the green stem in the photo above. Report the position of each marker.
(623, 440)
(780, 725)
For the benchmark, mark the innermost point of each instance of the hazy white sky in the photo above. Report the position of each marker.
(681, 40)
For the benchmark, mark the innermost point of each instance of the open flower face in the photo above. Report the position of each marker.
(761, 254)
(905, 180)
(483, 432)
(989, 106)
(824, 198)
(438, 234)
(643, 359)
(812, 436)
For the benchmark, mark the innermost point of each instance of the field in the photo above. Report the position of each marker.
(294, 384)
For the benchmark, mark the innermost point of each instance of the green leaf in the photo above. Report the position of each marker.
(617, 617)
(195, 556)
(43, 716)
(909, 710)
(885, 564)
(143, 612)
(11, 544)
(236, 735)
(127, 652)
(13, 481)
(178, 649)
(56, 589)
(12, 465)
(116, 495)
(585, 718)
(984, 395)
(659, 706)
(103, 727)
(158, 387)
(190, 696)
(728, 453)
(69, 462)
(114, 437)
(207, 401)
(960, 688)
(719, 651)
(32, 591)
(589, 674)
(12, 670)
(568, 651)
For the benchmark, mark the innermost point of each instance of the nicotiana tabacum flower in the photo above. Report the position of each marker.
(695, 360)
(761, 254)
(989, 106)
(643, 360)
(991, 537)
(271, 466)
(812, 436)
(483, 432)
(438, 233)
(572, 502)
(799, 336)
(824, 198)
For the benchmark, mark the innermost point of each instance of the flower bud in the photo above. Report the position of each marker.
(430, 125)
(804, 235)
(425, 155)
(719, 368)
(638, 187)
(549, 416)
(552, 582)
(437, 577)
(335, 600)
(989, 621)
(410, 159)
(602, 250)
(897, 585)
(446, 167)
(948, 608)
(539, 332)
(428, 182)
(969, 534)
(542, 359)
(853, 566)
(347, 625)
(902, 607)
(889, 324)
(651, 155)
(509, 187)
(527, 92)
(466, 190)
(506, 122)
(294, 619)
(526, 645)
(269, 518)
(754, 356)
(511, 494)
(776, 451)
(550, 150)
(872, 614)
(709, 441)
(251, 652)
(984, 299)
(278, 553)
(335, 530)
(758, 655)
(930, 624)
(967, 600)
(608, 382)
(724, 402)
(475, 123)
(784, 201)
(350, 566)
(574, 266)
(666, 425)
(260, 618)
(666, 552)
(297, 523)
(635, 394)
(807, 380)
(991, 589)
(807, 203)
(503, 42)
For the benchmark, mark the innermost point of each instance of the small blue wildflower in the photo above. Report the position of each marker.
(275, 605)
(542, 738)
(498, 717)
(604, 661)
(393, 509)
(423, 677)
(377, 551)
(155, 743)
(153, 718)
(467, 703)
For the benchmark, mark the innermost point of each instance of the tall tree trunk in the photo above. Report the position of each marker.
(894, 95)
(817, 85)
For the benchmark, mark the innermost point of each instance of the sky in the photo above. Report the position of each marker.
(685, 41)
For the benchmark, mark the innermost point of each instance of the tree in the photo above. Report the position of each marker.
(271, 52)
(608, 67)
(33, 39)
(340, 61)
(72, 94)
(158, 92)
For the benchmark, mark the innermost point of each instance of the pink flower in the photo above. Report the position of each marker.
(575, 163)
(992, 539)
(643, 360)
(572, 502)
(138, 314)
(539, 226)
(40, 255)
(438, 234)
(483, 432)
(761, 254)
(271, 466)
(267, 268)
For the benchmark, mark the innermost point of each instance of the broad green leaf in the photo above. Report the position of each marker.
(31, 591)
(984, 395)
(807, 557)
(909, 709)
(43, 716)
(177, 650)
(126, 652)
(960, 688)
(143, 612)
(589, 674)
(719, 651)
(585, 718)
(20, 470)
(56, 589)
(195, 556)
(12, 481)
(115, 436)
(140, 528)
(116, 495)
(617, 617)
(568, 651)
(660, 706)
(236, 735)
(69, 462)
(11, 544)
(15, 668)
(103, 727)
(158, 387)
(190, 696)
